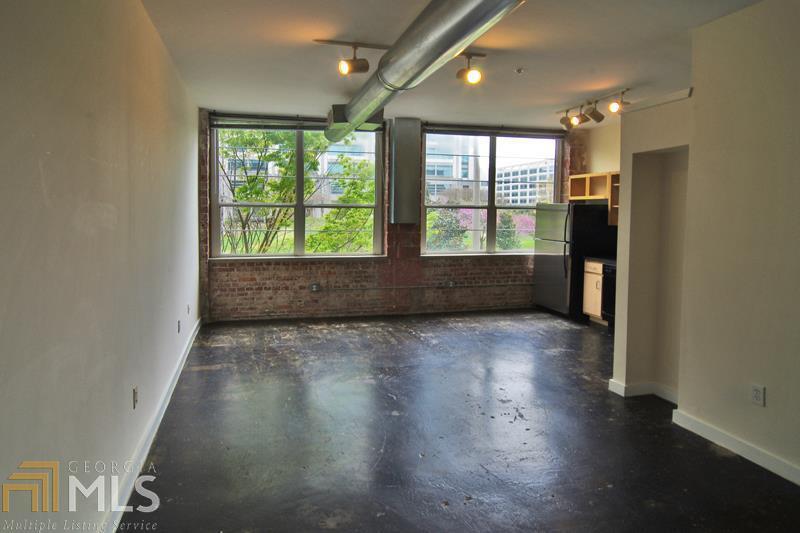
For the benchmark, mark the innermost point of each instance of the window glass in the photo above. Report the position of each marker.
(456, 193)
(256, 193)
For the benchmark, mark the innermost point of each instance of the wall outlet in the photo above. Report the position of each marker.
(758, 395)
(315, 287)
(179, 326)
(135, 397)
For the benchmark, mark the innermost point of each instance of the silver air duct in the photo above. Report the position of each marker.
(440, 33)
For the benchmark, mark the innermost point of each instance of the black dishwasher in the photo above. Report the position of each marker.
(609, 294)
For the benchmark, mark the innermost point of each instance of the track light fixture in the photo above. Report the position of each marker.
(565, 121)
(593, 113)
(470, 74)
(356, 65)
(579, 119)
(618, 104)
(590, 111)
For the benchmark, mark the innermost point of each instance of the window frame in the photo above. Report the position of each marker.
(491, 207)
(300, 204)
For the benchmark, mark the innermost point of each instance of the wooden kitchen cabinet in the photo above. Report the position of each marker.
(602, 186)
(593, 289)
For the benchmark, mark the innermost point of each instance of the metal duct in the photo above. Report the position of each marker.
(440, 33)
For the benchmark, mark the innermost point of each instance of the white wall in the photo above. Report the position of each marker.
(643, 272)
(742, 280)
(603, 149)
(99, 230)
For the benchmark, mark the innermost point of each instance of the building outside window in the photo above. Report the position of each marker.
(265, 203)
(457, 211)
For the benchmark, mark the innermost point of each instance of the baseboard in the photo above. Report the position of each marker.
(749, 451)
(143, 447)
(643, 389)
(617, 387)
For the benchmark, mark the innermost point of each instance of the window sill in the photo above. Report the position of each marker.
(478, 254)
(292, 258)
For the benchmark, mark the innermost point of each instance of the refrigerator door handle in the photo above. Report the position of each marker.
(566, 220)
(564, 257)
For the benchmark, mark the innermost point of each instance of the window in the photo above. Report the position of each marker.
(266, 204)
(461, 215)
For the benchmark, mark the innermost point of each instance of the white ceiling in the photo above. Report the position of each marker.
(258, 56)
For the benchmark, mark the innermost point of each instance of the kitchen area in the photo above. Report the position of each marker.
(576, 250)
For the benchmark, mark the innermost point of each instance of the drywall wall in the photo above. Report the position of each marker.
(99, 240)
(652, 133)
(673, 182)
(604, 146)
(742, 232)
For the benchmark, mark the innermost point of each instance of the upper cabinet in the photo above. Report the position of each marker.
(600, 186)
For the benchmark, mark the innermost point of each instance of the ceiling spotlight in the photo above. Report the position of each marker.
(618, 104)
(580, 118)
(593, 113)
(565, 121)
(355, 65)
(470, 74)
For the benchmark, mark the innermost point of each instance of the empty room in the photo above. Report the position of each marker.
(370, 265)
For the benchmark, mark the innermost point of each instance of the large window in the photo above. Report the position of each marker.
(292, 192)
(490, 205)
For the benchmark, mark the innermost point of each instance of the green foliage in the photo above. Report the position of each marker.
(348, 229)
(259, 167)
(507, 238)
(444, 230)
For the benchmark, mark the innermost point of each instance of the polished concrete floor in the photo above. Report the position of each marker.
(471, 422)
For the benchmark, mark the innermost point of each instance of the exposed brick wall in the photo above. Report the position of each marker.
(573, 159)
(204, 204)
(402, 282)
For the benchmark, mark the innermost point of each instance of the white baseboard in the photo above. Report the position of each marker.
(617, 387)
(759, 456)
(643, 389)
(143, 447)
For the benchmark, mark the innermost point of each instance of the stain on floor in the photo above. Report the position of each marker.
(467, 422)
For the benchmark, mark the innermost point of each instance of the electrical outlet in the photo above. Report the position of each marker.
(315, 287)
(135, 397)
(179, 326)
(758, 395)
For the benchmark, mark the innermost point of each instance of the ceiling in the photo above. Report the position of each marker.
(257, 56)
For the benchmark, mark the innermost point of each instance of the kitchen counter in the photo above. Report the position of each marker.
(603, 260)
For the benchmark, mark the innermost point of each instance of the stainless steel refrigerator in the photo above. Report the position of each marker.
(565, 235)
(551, 260)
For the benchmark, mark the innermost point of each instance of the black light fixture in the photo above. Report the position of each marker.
(356, 65)
(593, 113)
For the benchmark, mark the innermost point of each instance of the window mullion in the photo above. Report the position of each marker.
(491, 215)
(214, 211)
(299, 210)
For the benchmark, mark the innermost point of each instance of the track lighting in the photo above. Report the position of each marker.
(580, 118)
(355, 65)
(618, 104)
(565, 121)
(470, 74)
(590, 111)
(593, 113)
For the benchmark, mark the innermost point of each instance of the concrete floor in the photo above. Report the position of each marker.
(473, 422)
